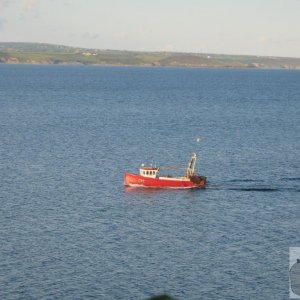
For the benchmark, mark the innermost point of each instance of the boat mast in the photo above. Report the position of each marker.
(190, 171)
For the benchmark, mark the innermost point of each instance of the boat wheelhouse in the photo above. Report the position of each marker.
(151, 172)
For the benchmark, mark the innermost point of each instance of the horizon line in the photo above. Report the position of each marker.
(149, 51)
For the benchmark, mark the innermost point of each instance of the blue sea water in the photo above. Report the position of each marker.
(70, 230)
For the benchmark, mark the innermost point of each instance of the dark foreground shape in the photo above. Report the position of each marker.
(162, 297)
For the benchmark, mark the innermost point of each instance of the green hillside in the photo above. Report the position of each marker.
(35, 53)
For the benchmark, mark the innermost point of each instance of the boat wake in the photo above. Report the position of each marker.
(244, 180)
(253, 185)
(291, 178)
(254, 189)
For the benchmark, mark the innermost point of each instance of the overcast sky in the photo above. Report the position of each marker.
(256, 27)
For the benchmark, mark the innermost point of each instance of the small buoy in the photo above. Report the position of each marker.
(198, 140)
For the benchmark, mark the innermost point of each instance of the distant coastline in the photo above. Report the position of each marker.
(36, 53)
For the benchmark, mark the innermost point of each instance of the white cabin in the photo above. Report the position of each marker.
(149, 172)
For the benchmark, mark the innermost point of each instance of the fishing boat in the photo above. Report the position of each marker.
(149, 177)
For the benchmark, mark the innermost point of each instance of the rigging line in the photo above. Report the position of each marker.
(173, 167)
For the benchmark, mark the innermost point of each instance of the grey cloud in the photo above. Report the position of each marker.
(2, 22)
(5, 3)
(90, 36)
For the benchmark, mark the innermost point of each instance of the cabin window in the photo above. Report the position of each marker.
(144, 172)
(147, 173)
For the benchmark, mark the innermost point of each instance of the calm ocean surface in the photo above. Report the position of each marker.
(70, 230)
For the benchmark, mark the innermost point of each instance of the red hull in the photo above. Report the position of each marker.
(161, 182)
